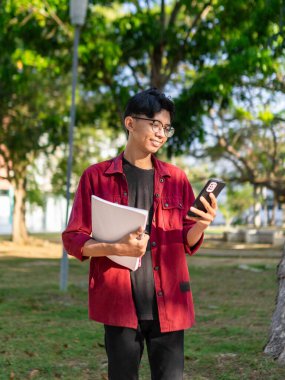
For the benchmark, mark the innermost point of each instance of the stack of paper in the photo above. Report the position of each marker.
(111, 221)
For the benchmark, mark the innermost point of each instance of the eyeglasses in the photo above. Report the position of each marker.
(157, 125)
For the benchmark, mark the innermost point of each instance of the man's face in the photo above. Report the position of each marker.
(145, 135)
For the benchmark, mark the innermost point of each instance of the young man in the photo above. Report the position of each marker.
(152, 305)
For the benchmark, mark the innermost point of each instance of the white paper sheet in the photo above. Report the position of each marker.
(111, 221)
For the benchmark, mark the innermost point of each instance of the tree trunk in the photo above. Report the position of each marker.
(272, 220)
(19, 234)
(276, 344)
(283, 214)
(257, 207)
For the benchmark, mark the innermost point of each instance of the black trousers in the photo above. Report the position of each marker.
(124, 347)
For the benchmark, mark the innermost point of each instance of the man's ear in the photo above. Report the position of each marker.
(129, 123)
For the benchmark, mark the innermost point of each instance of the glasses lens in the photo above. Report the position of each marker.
(156, 124)
(169, 131)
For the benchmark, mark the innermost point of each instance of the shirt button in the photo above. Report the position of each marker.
(161, 180)
(125, 193)
(157, 195)
(153, 244)
(166, 204)
(160, 293)
(156, 268)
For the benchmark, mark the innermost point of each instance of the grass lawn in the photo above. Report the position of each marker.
(45, 334)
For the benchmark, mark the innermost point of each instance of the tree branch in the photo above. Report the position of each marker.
(4, 153)
(148, 5)
(55, 17)
(235, 163)
(135, 75)
(162, 17)
(223, 143)
(137, 4)
(275, 145)
(174, 13)
(202, 14)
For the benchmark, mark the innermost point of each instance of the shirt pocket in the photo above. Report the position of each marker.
(114, 198)
(172, 212)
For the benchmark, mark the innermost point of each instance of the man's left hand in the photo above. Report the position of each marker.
(204, 219)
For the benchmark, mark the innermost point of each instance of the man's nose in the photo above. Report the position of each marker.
(160, 131)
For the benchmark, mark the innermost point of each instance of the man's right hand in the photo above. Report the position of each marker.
(133, 244)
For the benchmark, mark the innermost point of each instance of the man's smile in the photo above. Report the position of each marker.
(156, 143)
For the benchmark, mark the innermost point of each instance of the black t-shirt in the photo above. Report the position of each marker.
(140, 195)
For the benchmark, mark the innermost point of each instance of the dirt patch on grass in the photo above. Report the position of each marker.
(35, 249)
(199, 260)
(209, 254)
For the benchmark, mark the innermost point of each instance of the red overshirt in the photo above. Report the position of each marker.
(110, 292)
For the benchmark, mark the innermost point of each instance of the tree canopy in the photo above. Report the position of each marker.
(204, 54)
(32, 92)
(196, 51)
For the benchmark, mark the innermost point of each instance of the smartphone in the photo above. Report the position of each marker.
(215, 186)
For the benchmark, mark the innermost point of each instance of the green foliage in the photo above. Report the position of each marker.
(239, 198)
(33, 92)
(35, 195)
(197, 51)
(31, 99)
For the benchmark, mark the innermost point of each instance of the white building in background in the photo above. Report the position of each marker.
(6, 201)
(51, 218)
(6, 207)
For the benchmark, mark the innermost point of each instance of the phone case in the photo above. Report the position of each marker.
(215, 186)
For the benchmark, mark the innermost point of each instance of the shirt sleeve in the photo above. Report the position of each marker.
(189, 198)
(79, 227)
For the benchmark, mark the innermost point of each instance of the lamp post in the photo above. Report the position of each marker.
(78, 10)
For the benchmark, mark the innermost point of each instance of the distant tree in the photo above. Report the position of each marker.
(251, 138)
(32, 94)
(238, 200)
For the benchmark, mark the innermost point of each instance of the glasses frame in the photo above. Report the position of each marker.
(168, 131)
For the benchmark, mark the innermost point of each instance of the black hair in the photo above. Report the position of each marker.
(148, 103)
